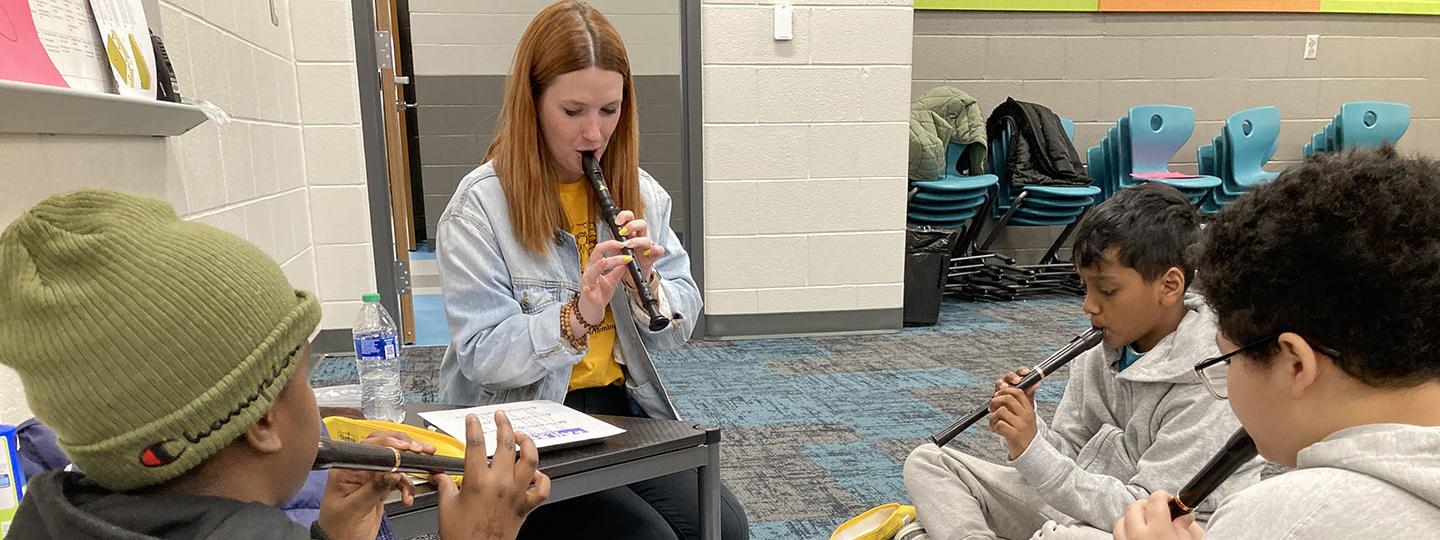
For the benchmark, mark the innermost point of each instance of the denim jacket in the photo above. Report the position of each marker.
(503, 302)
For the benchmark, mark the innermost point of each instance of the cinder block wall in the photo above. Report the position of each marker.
(286, 173)
(804, 149)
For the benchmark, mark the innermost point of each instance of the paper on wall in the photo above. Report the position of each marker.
(67, 30)
(22, 55)
(126, 40)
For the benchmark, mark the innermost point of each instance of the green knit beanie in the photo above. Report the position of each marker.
(148, 343)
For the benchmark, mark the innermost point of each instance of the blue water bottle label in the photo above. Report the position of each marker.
(378, 346)
(11, 478)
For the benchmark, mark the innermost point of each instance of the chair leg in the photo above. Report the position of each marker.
(1060, 241)
(1023, 271)
(1057, 266)
(1005, 219)
(972, 232)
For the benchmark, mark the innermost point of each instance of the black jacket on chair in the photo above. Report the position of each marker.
(1040, 152)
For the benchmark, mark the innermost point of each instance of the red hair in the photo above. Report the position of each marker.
(566, 36)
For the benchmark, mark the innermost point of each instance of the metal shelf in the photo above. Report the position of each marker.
(35, 108)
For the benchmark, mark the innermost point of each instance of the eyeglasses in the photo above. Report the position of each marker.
(1214, 372)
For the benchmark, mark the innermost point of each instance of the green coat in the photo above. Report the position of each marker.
(939, 117)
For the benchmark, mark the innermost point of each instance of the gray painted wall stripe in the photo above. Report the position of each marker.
(805, 323)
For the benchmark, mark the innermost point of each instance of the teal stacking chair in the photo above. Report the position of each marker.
(1155, 133)
(1367, 125)
(1250, 137)
(1028, 206)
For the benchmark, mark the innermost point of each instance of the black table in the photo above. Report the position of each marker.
(649, 448)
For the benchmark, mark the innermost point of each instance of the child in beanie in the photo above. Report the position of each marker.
(171, 360)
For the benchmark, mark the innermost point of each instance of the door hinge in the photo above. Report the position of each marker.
(402, 277)
(384, 54)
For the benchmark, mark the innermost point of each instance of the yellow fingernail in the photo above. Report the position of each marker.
(648, 251)
(629, 259)
(624, 231)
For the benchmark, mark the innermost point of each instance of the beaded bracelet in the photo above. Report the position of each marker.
(589, 328)
(573, 306)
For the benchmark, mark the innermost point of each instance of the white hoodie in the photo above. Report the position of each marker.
(1371, 481)
(1118, 436)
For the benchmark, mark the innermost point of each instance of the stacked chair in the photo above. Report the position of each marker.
(953, 202)
(1142, 143)
(1361, 125)
(1036, 205)
(980, 274)
(1237, 156)
(1137, 149)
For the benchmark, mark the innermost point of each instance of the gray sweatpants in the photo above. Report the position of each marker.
(962, 497)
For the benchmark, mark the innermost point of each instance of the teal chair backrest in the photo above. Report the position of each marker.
(1250, 133)
(1095, 165)
(1156, 133)
(1369, 124)
(1222, 157)
(1123, 152)
(1002, 147)
(1112, 156)
(1107, 163)
(952, 158)
(1205, 157)
(997, 159)
(1069, 126)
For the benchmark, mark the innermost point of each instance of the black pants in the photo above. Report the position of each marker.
(665, 508)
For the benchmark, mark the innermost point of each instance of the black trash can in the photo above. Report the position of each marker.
(927, 257)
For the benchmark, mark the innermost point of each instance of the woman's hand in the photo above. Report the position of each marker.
(354, 501)
(597, 283)
(646, 250)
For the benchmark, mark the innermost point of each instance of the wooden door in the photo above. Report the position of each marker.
(397, 152)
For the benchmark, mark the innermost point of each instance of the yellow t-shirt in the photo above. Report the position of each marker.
(598, 368)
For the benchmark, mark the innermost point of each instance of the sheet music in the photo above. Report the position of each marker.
(550, 424)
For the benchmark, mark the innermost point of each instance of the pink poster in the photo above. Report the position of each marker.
(22, 56)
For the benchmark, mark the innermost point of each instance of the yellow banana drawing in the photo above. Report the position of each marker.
(140, 66)
(117, 58)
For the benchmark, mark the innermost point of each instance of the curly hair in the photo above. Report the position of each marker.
(1153, 226)
(1343, 250)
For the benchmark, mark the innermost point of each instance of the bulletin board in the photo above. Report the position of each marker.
(1405, 7)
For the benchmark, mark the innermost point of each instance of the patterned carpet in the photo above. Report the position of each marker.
(816, 428)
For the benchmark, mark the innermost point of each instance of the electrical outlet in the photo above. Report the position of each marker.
(1312, 46)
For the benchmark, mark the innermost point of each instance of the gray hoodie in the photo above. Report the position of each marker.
(1371, 481)
(1118, 436)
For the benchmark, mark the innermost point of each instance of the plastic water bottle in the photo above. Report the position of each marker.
(12, 477)
(377, 358)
